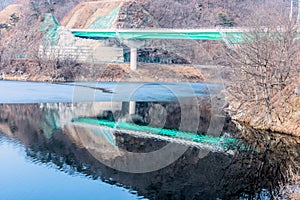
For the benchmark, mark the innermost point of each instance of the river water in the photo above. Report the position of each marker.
(31, 92)
(46, 154)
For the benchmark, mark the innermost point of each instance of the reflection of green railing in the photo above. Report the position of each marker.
(50, 123)
(225, 142)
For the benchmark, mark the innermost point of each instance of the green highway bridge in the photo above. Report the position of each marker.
(144, 34)
(134, 38)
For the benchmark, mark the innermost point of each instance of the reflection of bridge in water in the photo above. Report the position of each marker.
(85, 149)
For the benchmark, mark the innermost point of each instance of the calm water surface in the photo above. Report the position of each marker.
(32, 92)
(45, 155)
(24, 177)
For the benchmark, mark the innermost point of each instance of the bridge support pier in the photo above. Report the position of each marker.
(134, 45)
(133, 59)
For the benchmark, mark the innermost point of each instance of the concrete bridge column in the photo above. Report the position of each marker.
(134, 45)
(133, 59)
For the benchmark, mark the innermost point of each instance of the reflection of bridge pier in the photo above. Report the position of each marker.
(132, 107)
(128, 107)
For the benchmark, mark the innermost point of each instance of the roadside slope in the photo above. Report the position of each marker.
(87, 13)
(11, 9)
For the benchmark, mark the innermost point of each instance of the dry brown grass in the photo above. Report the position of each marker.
(290, 190)
(31, 71)
(9, 10)
(85, 13)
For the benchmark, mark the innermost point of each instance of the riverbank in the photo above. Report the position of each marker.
(26, 70)
(284, 117)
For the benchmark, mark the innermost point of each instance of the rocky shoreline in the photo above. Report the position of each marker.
(284, 118)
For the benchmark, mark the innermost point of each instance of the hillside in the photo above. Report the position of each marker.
(10, 10)
(141, 14)
(85, 14)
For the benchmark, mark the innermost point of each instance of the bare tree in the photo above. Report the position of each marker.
(263, 62)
